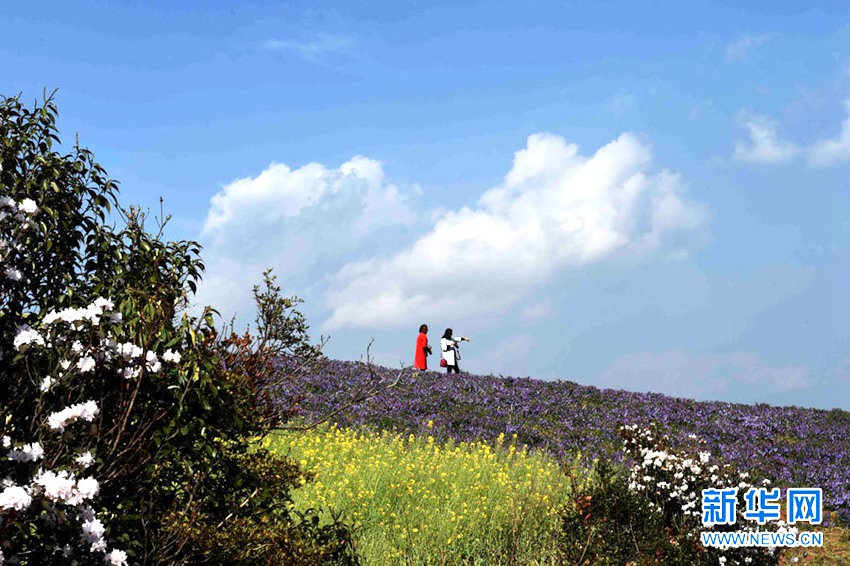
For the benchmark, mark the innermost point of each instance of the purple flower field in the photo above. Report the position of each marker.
(792, 446)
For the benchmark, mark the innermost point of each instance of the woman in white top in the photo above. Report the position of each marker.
(449, 346)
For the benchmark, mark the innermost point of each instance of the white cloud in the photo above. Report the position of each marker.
(764, 145)
(830, 152)
(701, 376)
(739, 49)
(316, 50)
(297, 221)
(556, 209)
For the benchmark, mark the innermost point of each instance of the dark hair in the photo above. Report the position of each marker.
(447, 334)
(424, 328)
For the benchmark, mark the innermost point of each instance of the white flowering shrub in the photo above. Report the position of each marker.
(672, 484)
(84, 393)
(16, 218)
(126, 425)
(47, 482)
(650, 509)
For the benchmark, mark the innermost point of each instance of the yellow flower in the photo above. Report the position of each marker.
(392, 485)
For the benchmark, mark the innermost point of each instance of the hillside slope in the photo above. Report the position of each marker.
(790, 445)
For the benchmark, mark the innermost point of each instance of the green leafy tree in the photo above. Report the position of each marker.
(179, 481)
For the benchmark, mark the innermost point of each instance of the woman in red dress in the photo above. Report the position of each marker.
(423, 350)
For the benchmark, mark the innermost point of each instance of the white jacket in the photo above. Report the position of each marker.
(450, 350)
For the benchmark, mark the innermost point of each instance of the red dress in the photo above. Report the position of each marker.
(420, 361)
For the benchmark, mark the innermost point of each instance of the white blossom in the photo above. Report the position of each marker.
(51, 317)
(15, 497)
(129, 350)
(152, 362)
(71, 315)
(86, 364)
(25, 336)
(61, 487)
(131, 373)
(85, 459)
(86, 489)
(13, 274)
(86, 411)
(28, 206)
(116, 557)
(170, 356)
(92, 313)
(93, 530)
(26, 453)
(57, 486)
(46, 384)
(99, 546)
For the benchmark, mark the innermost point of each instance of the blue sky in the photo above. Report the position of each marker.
(649, 197)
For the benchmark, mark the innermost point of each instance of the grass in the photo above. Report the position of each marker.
(834, 552)
(413, 501)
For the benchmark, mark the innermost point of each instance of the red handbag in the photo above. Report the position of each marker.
(443, 363)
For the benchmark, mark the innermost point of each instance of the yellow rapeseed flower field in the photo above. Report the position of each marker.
(415, 501)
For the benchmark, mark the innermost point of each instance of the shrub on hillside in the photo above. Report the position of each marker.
(652, 510)
(127, 423)
(607, 523)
